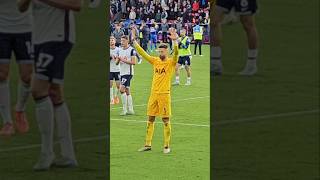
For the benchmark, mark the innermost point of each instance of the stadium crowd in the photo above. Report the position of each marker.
(190, 11)
(163, 13)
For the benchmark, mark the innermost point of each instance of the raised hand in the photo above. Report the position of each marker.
(133, 34)
(173, 34)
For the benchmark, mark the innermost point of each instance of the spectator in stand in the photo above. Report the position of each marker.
(118, 33)
(132, 15)
(133, 3)
(195, 6)
(164, 15)
(179, 25)
(158, 16)
(124, 8)
(164, 29)
(145, 35)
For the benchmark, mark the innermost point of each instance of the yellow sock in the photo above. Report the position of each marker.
(167, 134)
(149, 135)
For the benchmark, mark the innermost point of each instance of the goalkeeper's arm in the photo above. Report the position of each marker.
(175, 51)
(142, 52)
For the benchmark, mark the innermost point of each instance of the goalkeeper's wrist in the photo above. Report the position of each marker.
(175, 42)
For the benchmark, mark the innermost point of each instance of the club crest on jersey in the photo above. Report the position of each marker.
(160, 71)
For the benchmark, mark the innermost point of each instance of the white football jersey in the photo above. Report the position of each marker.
(127, 69)
(12, 20)
(113, 66)
(52, 24)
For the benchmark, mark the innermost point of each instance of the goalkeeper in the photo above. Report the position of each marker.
(160, 99)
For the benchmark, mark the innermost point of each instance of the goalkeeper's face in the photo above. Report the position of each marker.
(163, 53)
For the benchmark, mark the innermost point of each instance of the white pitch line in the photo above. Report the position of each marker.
(182, 124)
(243, 120)
(32, 146)
(178, 100)
(264, 117)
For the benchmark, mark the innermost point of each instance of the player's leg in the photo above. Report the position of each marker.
(63, 126)
(111, 91)
(24, 90)
(5, 107)
(5, 110)
(49, 69)
(188, 70)
(152, 112)
(111, 83)
(200, 47)
(165, 113)
(166, 134)
(124, 100)
(177, 72)
(117, 89)
(221, 8)
(23, 52)
(129, 97)
(155, 39)
(195, 47)
(124, 97)
(43, 105)
(150, 44)
(149, 134)
(45, 117)
(248, 22)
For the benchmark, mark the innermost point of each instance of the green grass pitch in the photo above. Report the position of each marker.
(190, 145)
(85, 91)
(267, 126)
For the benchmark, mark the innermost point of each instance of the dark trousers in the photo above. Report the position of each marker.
(165, 37)
(196, 43)
(144, 44)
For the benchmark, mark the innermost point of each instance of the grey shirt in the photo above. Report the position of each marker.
(118, 35)
(52, 24)
(11, 20)
(164, 27)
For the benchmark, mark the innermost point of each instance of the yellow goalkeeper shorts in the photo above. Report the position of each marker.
(159, 105)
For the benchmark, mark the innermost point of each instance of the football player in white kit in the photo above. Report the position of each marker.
(127, 59)
(15, 36)
(53, 37)
(114, 75)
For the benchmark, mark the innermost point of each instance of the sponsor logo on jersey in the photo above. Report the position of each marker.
(160, 71)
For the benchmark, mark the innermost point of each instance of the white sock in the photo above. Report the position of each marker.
(23, 95)
(124, 101)
(5, 107)
(177, 79)
(130, 103)
(252, 57)
(189, 79)
(44, 116)
(63, 122)
(111, 93)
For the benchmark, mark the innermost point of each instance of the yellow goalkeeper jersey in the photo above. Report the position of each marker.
(162, 70)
